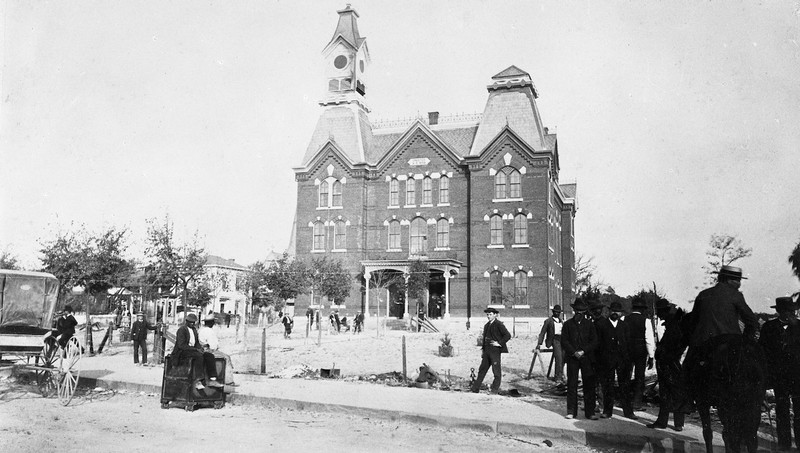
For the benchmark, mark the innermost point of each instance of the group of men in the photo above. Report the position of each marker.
(615, 348)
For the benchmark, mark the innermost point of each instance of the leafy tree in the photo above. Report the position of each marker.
(794, 260)
(287, 278)
(330, 278)
(172, 264)
(9, 261)
(419, 278)
(723, 250)
(95, 262)
(255, 282)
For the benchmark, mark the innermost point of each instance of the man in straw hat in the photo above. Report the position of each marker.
(579, 340)
(780, 339)
(551, 335)
(493, 344)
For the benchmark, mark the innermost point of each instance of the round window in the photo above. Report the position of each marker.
(340, 62)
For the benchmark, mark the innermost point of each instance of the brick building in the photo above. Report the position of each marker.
(476, 197)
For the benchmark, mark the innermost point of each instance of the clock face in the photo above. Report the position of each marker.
(340, 62)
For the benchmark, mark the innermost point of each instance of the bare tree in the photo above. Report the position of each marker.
(723, 250)
(585, 275)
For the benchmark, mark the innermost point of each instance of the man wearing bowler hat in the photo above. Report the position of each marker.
(493, 343)
(613, 361)
(551, 335)
(642, 345)
(579, 340)
(780, 339)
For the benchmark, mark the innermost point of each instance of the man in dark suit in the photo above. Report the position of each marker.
(672, 388)
(187, 345)
(551, 335)
(613, 360)
(65, 326)
(139, 337)
(641, 344)
(579, 340)
(493, 344)
(780, 339)
(714, 320)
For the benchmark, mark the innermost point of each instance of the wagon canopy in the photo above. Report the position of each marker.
(27, 298)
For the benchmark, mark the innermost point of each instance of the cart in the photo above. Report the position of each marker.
(27, 303)
(177, 385)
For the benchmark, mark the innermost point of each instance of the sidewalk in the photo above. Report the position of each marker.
(481, 412)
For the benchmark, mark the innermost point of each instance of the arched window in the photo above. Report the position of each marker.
(339, 235)
(444, 190)
(514, 189)
(496, 287)
(500, 185)
(336, 199)
(419, 236)
(319, 236)
(521, 288)
(507, 183)
(496, 227)
(394, 235)
(520, 229)
(323, 194)
(394, 192)
(442, 233)
(427, 191)
(411, 191)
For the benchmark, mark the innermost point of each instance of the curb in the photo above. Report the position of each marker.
(658, 441)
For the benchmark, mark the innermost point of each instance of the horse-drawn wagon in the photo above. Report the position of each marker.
(27, 303)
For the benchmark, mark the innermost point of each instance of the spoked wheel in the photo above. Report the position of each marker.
(45, 371)
(69, 371)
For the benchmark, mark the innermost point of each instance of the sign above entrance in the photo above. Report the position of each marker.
(419, 161)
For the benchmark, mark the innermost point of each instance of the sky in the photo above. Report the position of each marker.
(677, 120)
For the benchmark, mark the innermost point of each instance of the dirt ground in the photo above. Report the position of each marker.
(102, 420)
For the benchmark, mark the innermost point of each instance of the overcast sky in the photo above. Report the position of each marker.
(676, 119)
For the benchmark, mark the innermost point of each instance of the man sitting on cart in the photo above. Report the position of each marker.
(187, 345)
(65, 327)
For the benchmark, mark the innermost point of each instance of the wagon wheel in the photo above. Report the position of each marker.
(45, 378)
(69, 371)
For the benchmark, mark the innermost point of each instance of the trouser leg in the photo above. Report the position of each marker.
(482, 369)
(638, 380)
(497, 371)
(572, 386)
(782, 421)
(144, 351)
(606, 378)
(136, 351)
(559, 359)
(678, 416)
(589, 392)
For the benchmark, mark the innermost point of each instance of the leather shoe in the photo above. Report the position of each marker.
(605, 415)
(569, 416)
(212, 383)
(658, 426)
(593, 417)
(631, 416)
(678, 428)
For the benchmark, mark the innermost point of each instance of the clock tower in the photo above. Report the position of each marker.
(346, 61)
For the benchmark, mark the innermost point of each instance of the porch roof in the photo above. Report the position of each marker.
(449, 266)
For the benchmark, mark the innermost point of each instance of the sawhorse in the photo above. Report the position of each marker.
(533, 361)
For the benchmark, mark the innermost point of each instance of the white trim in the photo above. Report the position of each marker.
(495, 246)
(443, 204)
(505, 200)
(521, 306)
(318, 251)
(394, 250)
(520, 246)
(338, 250)
(426, 206)
(441, 249)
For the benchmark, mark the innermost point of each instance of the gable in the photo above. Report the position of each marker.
(507, 142)
(420, 148)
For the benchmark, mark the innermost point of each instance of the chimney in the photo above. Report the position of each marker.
(433, 118)
(547, 130)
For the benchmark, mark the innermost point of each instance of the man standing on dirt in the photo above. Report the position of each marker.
(551, 335)
(139, 337)
(493, 344)
(579, 340)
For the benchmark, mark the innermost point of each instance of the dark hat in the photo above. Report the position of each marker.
(662, 304)
(579, 305)
(595, 303)
(557, 308)
(616, 306)
(191, 317)
(491, 310)
(784, 303)
(730, 271)
(68, 309)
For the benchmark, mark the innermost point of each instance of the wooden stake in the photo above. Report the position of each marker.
(405, 376)
(263, 350)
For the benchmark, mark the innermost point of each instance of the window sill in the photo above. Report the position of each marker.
(426, 205)
(328, 208)
(495, 246)
(410, 206)
(443, 204)
(393, 207)
(339, 251)
(441, 249)
(394, 250)
(505, 200)
(520, 246)
(318, 251)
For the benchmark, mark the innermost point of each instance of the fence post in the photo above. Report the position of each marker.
(263, 350)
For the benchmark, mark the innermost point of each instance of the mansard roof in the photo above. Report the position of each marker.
(347, 125)
(347, 28)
